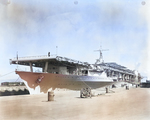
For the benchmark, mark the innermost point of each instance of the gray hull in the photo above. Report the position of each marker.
(42, 82)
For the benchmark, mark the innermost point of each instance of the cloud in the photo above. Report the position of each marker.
(5, 2)
(37, 27)
(145, 14)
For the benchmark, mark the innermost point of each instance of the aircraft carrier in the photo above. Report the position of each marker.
(62, 72)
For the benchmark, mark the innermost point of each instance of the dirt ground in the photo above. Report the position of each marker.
(132, 104)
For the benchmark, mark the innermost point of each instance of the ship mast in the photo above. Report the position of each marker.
(100, 60)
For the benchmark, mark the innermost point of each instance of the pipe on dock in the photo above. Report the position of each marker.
(136, 86)
(127, 87)
(51, 96)
(106, 89)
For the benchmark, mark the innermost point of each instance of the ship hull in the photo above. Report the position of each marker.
(42, 82)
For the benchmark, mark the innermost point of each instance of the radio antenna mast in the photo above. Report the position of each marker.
(100, 60)
(56, 50)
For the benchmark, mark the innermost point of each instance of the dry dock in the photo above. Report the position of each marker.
(132, 104)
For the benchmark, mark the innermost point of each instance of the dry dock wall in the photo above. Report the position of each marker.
(17, 90)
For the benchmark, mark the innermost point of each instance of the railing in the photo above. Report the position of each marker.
(59, 58)
(33, 57)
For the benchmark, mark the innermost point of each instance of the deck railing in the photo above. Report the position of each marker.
(34, 57)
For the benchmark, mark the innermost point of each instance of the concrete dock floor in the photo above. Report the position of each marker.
(132, 104)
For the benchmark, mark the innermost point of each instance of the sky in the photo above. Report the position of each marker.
(77, 28)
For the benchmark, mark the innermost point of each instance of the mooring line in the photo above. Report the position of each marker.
(7, 74)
